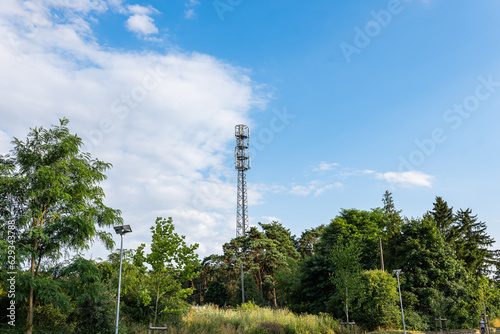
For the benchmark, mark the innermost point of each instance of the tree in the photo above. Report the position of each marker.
(442, 216)
(172, 261)
(471, 242)
(363, 227)
(93, 303)
(377, 304)
(392, 230)
(308, 240)
(345, 257)
(50, 190)
(435, 281)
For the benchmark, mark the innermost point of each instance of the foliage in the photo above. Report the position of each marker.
(432, 274)
(471, 243)
(345, 258)
(172, 261)
(308, 241)
(217, 294)
(49, 189)
(377, 302)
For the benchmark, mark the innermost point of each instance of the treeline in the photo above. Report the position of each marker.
(448, 268)
(51, 207)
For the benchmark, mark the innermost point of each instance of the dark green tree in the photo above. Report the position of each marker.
(50, 189)
(392, 231)
(217, 294)
(93, 302)
(472, 244)
(433, 279)
(308, 241)
(443, 216)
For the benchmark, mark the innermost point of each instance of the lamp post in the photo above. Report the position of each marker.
(121, 230)
(242, 280)
(397, 272)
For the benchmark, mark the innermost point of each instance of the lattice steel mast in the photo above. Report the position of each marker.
(242, 164)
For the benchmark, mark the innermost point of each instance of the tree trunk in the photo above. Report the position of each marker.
(347, 304)
(157, 298)
(260, 283)
(274, 297)
(31, 308)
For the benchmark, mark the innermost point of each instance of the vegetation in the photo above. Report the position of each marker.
(50, 196)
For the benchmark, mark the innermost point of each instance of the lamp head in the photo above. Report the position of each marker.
(122, 229)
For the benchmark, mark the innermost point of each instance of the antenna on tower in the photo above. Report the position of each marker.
(242, 164)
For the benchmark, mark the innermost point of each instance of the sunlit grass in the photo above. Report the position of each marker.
(251, 319)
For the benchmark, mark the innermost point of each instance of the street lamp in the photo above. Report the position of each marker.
(242, 280)
(397, 272)
(121, 230)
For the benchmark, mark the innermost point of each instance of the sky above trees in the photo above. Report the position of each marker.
(344, 100)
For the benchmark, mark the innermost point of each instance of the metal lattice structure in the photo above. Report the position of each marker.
(242, 164)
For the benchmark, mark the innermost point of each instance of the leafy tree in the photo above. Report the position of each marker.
(362, 227)
(172, 261)
(308, 240)
(50, 189)
(432, 274)
(377, 302)
(281, 254)
(217, 294)
(315, 287)
(94, 303)
(345, 257)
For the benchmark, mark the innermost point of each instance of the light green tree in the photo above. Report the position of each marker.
(172, 261)
(50, 190)
(345, 257)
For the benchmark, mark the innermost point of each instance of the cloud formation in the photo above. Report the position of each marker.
(407, 179)
(165, 121)
(140, 21)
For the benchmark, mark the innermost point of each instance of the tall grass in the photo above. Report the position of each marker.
(250, 319)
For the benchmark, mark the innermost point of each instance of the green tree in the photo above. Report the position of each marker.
(93, 302)
(363, 227)
(50, 189)
(472, 243)
(172, 261)
(443, 216)
(308, 240)
(391, 232)
(377, 302)
(345, 257)
(217, 294)
(433, 275)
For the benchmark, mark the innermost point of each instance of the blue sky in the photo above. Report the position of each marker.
(344, 100)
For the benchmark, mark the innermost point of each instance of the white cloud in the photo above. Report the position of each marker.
(324, 166)
(189, 12)
(314, 187)
(407, 179)
(164, 121)
(140, 22)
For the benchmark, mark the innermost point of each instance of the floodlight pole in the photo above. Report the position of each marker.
(397, 272)
(242, 284)
(120, 230)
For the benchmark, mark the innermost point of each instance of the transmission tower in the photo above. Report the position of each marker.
(242, 164)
